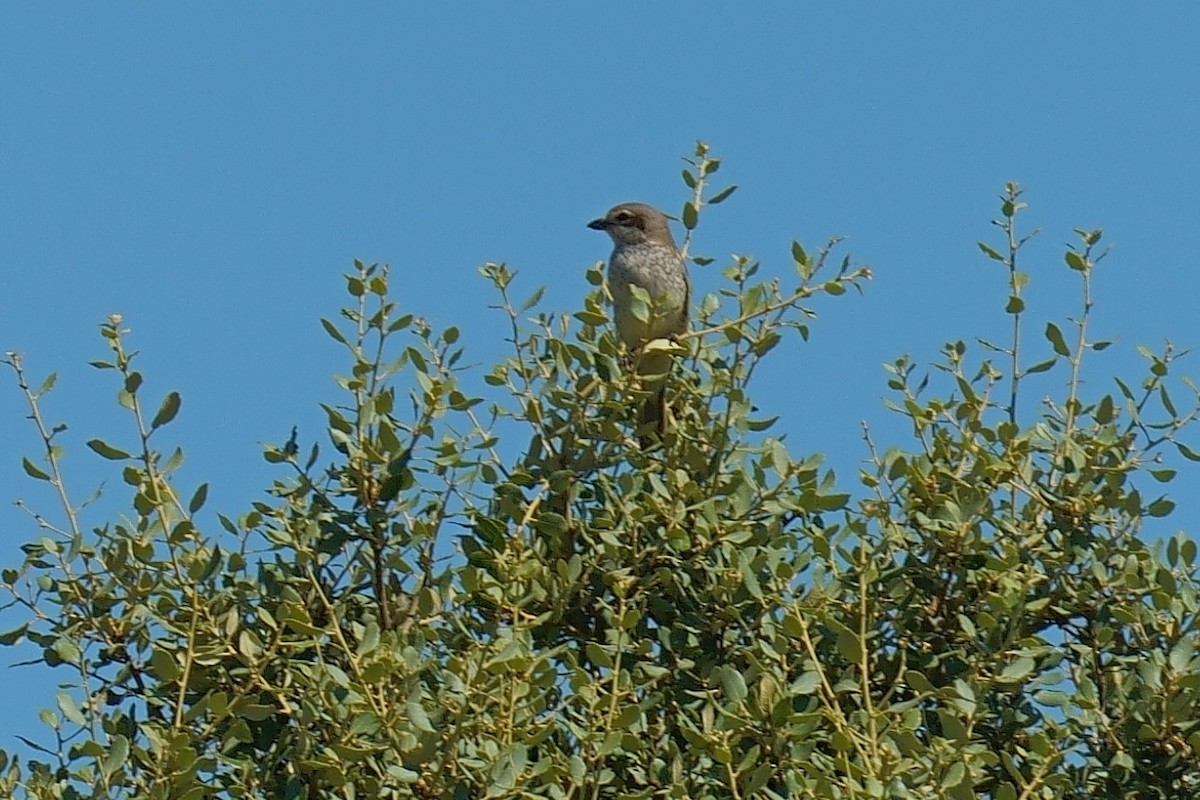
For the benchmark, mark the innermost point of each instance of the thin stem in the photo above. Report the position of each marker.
(1084, 264)
(1010, 208)
(47, 436)
(702, 173)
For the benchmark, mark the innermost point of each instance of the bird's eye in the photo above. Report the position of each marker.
(627, 219)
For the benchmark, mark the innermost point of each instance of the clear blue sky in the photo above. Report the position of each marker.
(210, 171)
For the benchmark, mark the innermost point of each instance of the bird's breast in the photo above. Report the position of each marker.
(661, 273)
(656, 269)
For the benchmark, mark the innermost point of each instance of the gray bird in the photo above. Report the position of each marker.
(645, 255)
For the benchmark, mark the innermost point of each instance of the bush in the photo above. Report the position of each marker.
(510, 597)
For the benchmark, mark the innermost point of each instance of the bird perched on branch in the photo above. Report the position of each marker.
(644, 254)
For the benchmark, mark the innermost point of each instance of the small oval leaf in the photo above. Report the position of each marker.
(197, 501)
(106, 450)
(167, 411)
(690, 215)
(722, 195)
(1055, 337)
(33, 471)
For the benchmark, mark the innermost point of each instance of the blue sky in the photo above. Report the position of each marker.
(210, 171)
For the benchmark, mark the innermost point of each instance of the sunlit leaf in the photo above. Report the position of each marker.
(106, 450)
(167, 411)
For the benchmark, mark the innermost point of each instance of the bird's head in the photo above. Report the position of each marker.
(635, 223)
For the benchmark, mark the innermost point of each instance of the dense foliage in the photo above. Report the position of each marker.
(509, 597)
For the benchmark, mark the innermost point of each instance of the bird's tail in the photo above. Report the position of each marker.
(652, 416)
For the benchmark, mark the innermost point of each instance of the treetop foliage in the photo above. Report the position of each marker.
(497, 592)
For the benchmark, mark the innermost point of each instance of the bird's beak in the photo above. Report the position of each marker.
(598, 224)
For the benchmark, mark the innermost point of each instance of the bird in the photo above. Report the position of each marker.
(644, 254)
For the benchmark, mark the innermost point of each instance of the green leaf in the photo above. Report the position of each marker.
(333, 331)
(611, 743)
(952, 726)
(689, 179)
(1075, 261)
(594, 318)
(918, 681)
(1180, 657)
(749, 579)
(533, 300)
(1018, 670)
(841, 741)
(1006, 791)
(1163, 475)
(1166, 401)
(9, 638)
(33, 471)
(1015, 305)
(197, 501)
(69, 708)
(1187, 452)
(163, 665)
(418, 717)
(627, 717)
(1161, 507)
(990, 251)
(118, 751)
(107, 451)
(690, 216)
(400, 323)
(47, 384)
(733, 683)
(1052, 697)
(806, 683)
(598, 655)
(639, 303)
(955, 775)
(757, 779)
(66, 650)
(249, 646)
(798, 254)
(256, 711)
(174, 462)
(850, 645)
(1041, 366)
(336, 420)
(722, 195)
(167, 411)
(1055, 337)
